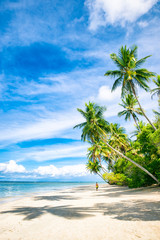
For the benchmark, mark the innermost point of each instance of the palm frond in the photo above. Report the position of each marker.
(121, 113)
(141, 83)
(117, 83)
(79, 125)
(115, 73)
(128, 116)
(157, 113)
(82, 112)
(155, 92)
(141, 61)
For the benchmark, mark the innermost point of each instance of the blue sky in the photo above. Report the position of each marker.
(53, 56)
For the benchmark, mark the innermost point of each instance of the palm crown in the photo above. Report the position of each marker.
(129, 73)
(93, 115)
(129, 104)
(118, 137)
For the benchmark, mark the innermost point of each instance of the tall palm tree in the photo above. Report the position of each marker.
(129, 104)
(96, 128)
(129, 74)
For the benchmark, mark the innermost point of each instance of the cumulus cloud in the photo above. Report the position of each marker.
(47, 170)
(105, 94)
(11, 167)
(103, 12)
(50, 170)
(73, 170)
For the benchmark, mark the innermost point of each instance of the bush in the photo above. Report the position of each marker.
(118, 179)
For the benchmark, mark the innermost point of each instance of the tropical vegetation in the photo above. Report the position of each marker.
(129, 73)
(116, 157)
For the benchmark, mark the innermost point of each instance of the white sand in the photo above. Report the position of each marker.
(112, 213)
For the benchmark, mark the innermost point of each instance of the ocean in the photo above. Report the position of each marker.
(16, 189)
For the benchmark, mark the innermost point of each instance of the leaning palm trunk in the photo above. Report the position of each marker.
(130, 160)
(142, 109)
(136, 123)
(100, 162)
(100, 175)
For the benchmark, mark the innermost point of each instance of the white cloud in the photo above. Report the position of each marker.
(112, 110)
(50, 170)
(57, 151)
(50, 127)
(105, 93)
(57, 84)
(11, 167)
(47, 170)
(73, 170)
(103, 12)
(143, 24)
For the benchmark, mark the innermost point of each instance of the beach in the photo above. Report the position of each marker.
(111, 213)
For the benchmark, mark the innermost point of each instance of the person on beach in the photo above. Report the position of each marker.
(97, 186)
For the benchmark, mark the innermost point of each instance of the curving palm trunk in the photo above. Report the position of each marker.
(133, 90)
(100, 162)
(100, 175)
(130, 160)
(136, 123)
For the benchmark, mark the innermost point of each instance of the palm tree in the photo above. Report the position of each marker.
(140, 127)
(129, 74)
(94, 167)
(96, 128)
(118, 139)
(97, 151)
(157, 89)
(129, 104)
(93, 116)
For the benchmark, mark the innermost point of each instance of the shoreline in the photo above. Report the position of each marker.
(82, 213)
(41, 191)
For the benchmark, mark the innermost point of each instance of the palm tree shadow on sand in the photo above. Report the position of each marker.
(62, 211)
(55, 198)
(132, 211)
(124, 210)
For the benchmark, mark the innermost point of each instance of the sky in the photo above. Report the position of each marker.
(53, 57)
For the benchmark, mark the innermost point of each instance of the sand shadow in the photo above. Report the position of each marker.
(124, 210)
(116, 191)
(55, 198)
(66, 211)
(132, 211)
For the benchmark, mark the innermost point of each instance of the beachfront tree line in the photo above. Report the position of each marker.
(113, 155)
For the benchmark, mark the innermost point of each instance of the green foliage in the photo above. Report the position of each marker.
(93, 167)
(132, 163)
(155, 137)
(118, 179)
(157, 89)
(129, 103)
(129, 74)
(145, 151)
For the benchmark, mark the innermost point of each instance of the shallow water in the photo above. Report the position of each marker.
(13, 189)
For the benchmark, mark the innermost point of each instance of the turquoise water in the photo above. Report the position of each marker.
(13, 189)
